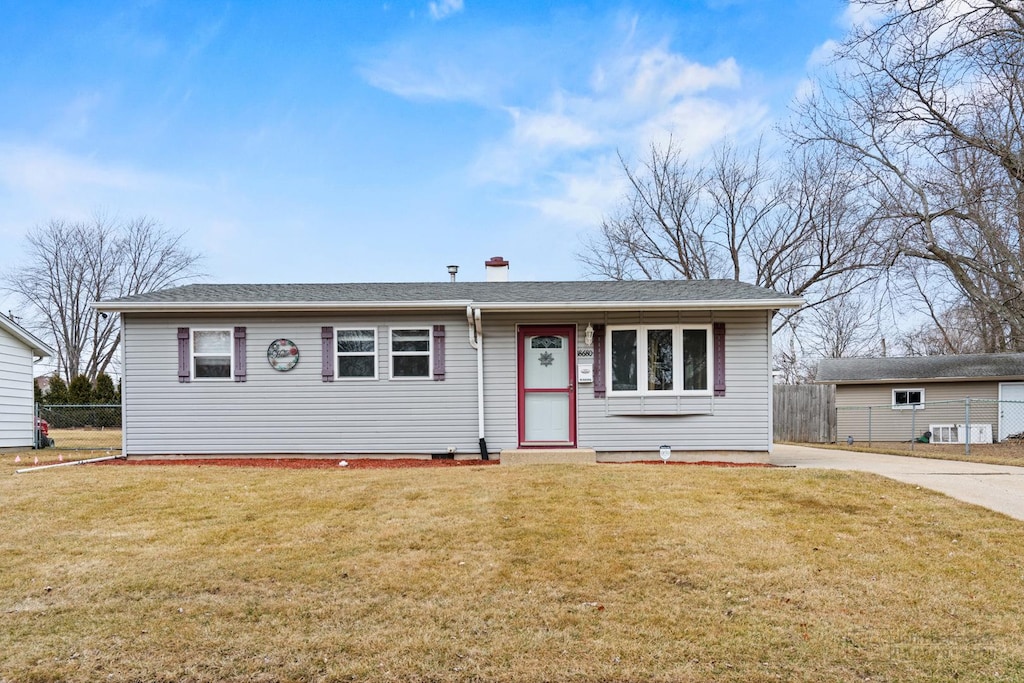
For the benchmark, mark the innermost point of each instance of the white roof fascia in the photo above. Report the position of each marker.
(160, 307)
(732, 304)
(38, 347)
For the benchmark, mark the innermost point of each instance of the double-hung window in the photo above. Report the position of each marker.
(212, 354)
(410, 352)
(357, 353)
(904, 399)
(659, 359)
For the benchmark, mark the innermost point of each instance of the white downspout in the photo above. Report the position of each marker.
(476, 340)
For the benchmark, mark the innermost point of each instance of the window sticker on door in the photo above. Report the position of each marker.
(546, 343)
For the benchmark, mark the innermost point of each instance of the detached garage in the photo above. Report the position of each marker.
(896, 399)
(19, 350)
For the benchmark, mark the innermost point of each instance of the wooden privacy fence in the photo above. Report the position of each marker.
(805, 412)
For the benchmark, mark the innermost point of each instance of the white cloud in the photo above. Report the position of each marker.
(562, 140)
(822, 54)
(584, 198)
(48, 173)
(858, 15)
(551, 129)
(444, 8)
(566, 148)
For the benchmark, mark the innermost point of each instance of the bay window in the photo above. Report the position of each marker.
(659, 359)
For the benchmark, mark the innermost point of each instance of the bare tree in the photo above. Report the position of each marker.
(929, 102)
(795, 227)
(70, 265)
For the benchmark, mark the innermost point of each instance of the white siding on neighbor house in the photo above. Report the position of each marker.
(738, 421)
(295, 411)
(16, 393)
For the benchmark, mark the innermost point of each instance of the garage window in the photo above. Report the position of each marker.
(904, 399)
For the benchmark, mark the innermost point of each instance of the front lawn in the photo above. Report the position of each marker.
(568, 573)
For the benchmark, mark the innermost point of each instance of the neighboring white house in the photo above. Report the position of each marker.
(476, 368)
(18, 352)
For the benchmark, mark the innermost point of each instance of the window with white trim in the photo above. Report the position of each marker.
(212, 354)
(410, 352)
(904, 399)
(659, 360)
(356, 350)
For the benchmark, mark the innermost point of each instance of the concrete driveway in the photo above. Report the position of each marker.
(996, 487)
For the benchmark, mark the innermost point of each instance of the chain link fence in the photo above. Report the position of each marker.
(79, 427)
(966, 421)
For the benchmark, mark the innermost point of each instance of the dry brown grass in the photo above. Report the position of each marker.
(600, 573)
(1004, 453)
(86, 439)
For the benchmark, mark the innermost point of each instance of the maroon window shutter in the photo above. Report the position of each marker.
(599, 387)
(239, 354)
(438, 353)
(184, 361)
(718, 344)
(327, 354)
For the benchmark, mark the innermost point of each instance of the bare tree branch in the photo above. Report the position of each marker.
(72, 265)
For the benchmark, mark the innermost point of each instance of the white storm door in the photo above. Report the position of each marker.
(547, 393)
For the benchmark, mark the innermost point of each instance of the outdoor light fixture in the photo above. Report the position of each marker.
(588, 335)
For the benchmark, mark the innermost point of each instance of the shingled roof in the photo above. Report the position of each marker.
(921, 369)
(494, 295)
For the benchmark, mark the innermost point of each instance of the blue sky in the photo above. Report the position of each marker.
(376, 141)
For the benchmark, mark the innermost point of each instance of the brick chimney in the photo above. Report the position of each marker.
(497, 269)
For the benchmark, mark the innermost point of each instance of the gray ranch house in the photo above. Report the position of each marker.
(602, 370)
(19, 350)
(937, 394)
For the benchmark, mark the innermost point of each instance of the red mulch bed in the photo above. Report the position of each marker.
(372, 463)
(306, 463)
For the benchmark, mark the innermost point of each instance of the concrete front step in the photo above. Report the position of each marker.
(548, 456)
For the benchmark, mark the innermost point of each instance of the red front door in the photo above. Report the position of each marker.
(547, 385)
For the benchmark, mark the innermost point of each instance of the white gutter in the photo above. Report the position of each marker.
(476, 340)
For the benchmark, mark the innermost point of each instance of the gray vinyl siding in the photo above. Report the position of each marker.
(16, 394)
(943, 404)
(295, 411)
(739, 421)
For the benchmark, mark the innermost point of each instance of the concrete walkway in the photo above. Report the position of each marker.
(996, 487)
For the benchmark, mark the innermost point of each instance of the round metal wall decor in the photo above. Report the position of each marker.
(282, 354)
